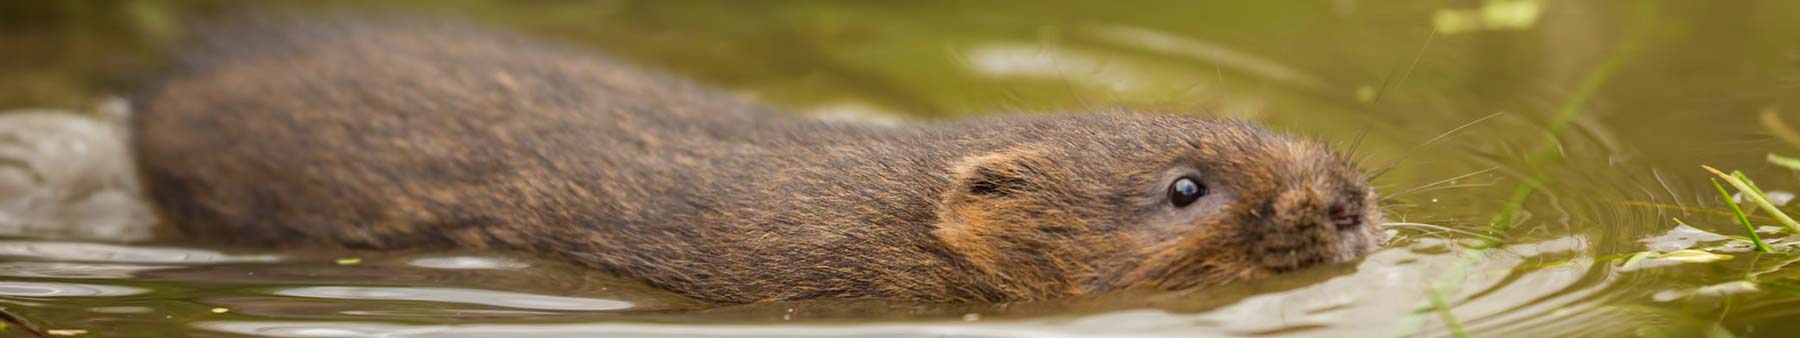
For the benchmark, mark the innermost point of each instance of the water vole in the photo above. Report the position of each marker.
(430, 135)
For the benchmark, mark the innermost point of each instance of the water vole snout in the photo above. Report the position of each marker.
(1316, 220)
(1319, 209)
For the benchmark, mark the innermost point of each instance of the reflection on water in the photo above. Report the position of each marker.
(1386, 78)
(1031, 61)
(1363, 303)
(1202, 51)
(74, 270)
(33, 289)
(464, 296)
(123, 309)
(441, 313)
(1681, 237)
(95, 252)
(467, 262)
(357, 329)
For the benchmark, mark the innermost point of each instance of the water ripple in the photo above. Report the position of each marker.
(39, 289)
(469, 263)
(363, 329)
(74, 270)
(452, 295)
(94, 252)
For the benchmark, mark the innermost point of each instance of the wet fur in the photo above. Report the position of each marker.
(415, 135)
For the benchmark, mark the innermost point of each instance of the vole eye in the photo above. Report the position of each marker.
(1185, 191)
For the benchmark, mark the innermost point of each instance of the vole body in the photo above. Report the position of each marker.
(429, 135)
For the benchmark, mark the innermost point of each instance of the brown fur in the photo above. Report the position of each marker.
(429, 135)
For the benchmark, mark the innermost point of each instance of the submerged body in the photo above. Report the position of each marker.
(424, 135)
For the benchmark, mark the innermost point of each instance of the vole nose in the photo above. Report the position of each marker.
(1345, 216)
(1307, 227)
(1303, 209)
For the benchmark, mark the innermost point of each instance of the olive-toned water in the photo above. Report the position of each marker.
(1583, 126)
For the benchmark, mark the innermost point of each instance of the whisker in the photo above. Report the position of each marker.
(1219, 73)
(1378, 172)
(1409, 68)
(1379, 93)
(1409, 152)
(1387, 209)
(1428, 185)
(1355, 143)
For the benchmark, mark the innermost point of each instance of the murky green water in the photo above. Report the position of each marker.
(1586, 125)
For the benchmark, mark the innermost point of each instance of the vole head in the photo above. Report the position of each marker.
(1160, 202)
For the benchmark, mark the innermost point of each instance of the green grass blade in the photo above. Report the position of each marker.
(1762, 201)
(1743, 219)
(1784, 161)
(1443, 310)
(1639, 257)
(1741, 177)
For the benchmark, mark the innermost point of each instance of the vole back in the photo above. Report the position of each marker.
(400, 128)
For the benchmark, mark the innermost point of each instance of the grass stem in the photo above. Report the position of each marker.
(1750, 192)
(1443, 309)
(1745, 220)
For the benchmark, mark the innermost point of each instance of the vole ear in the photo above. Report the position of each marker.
(1000, 174)
(995, 215)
